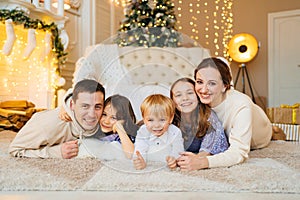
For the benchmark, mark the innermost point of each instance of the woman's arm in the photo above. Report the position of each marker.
(239, 130)
(189, 161)
(203, 154)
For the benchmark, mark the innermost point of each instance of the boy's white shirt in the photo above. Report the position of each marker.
(154, 148)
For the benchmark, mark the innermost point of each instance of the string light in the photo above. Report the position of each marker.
(122, 3)
(179, 15)
(30, 79)
(207, 22)
(227, 17)
(210, 23)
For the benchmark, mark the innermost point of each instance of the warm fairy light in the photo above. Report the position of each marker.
(228, 25)
(208, 22)
(122, 3)
(32, 78)
(179, 15)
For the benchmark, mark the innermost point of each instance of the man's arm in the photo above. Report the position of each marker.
(41, 137)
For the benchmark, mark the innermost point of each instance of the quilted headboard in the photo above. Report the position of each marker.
(137, 72)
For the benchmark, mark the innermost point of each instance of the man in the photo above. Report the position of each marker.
(45, 135)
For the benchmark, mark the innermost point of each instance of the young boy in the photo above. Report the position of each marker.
(157, 139)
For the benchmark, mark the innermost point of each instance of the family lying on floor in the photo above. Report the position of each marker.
(204, 123)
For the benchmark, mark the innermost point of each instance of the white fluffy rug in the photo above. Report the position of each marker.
(273, 169)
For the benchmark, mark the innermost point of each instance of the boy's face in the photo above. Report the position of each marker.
(88, 109)
(157, 125)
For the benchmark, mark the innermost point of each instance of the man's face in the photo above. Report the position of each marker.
(88, 109)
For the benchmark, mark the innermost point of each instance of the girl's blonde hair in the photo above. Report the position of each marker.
(158, 105)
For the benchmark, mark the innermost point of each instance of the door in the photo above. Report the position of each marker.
(284, 58)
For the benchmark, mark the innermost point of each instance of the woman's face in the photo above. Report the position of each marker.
(209, 86)
(184, 96)
(108, 118)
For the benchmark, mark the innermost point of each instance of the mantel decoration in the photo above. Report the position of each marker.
(149, 23)
(32, 54)
(19, 17)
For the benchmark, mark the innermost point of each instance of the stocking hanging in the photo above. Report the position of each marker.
(31, 43)
(47, 47)
(10, 37)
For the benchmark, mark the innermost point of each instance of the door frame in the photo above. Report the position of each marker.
(273, 86)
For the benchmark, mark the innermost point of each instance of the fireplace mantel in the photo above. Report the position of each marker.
(33, 77)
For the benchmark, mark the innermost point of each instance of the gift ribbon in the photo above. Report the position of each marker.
(294, 109)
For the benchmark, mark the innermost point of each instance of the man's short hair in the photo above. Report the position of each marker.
(87, 85)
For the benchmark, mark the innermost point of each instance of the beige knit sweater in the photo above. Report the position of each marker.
(246, 125)
(43, 134)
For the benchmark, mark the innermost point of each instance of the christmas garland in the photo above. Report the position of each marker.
(19, 17)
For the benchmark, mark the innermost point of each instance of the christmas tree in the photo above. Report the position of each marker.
(149, 23)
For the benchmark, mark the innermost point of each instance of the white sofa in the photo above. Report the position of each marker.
(136, 72)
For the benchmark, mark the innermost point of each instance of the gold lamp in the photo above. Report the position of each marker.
(242, 48)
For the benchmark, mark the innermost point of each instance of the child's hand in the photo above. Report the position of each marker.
(118, 127)
(63, 115)
(171, 161)
(139, 162)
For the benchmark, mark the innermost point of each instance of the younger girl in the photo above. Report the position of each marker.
(118, 123)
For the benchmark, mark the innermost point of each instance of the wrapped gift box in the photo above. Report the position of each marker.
(292, 131)
(284, 115)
